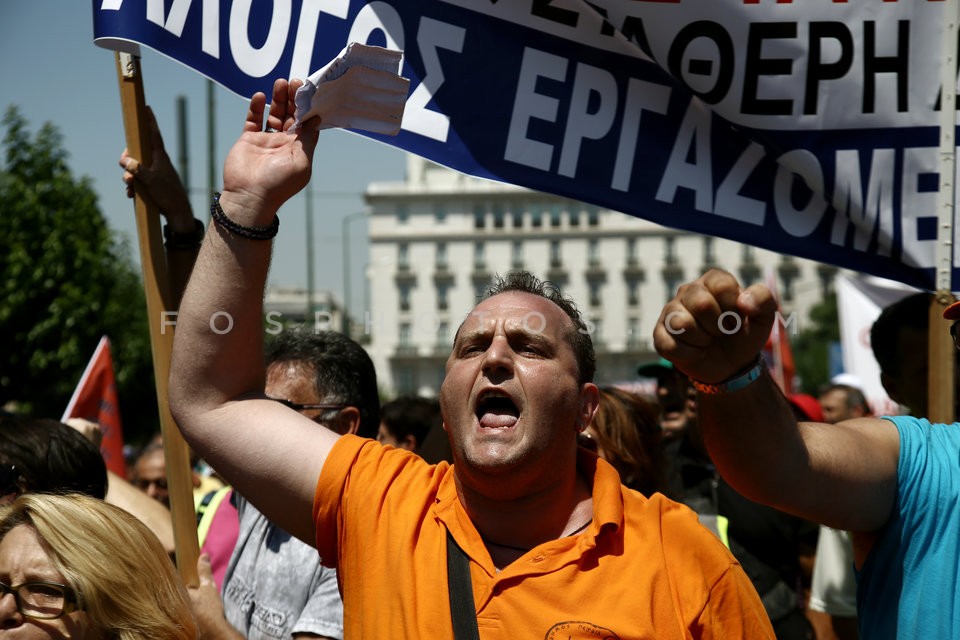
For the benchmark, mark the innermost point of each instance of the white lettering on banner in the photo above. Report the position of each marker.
(641, 96)
(306, 36)
(254, 61)
(916, 204)
(588, 81)
(529, 104)
(417, 118)
(729, 201)
(696, 175)
(155, 12)
(849, 204)
(378, 16)
(793, 165)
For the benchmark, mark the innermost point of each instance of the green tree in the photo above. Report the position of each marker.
(811, 349)
(64, 281)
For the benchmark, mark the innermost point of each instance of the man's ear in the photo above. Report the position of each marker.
(589, 404)
(348, 421)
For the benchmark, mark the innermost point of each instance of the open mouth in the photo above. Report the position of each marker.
(496, 410)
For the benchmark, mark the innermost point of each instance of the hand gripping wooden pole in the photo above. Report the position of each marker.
(157, 289)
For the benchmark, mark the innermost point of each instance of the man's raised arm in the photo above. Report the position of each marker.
(842, 475)
(270, 453)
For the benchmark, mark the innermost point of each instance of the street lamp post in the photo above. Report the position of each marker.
(347, 284)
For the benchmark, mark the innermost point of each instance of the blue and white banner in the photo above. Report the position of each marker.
(808, 128)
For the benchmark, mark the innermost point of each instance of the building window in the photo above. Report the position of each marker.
(574, 218)
(708, 257)
(479, 217)
(479, 260)
(536, 216)
(631, 251)
(633, 292)
(443, 334)
(517, 215)
(594, 293)
(556, 213)
(498, 216)
(516, 258)
(443, 297)
(479, 290)
(555, 260)
(597, 334)
(440, 213)
(406, 380)
(403, 214)
(404, 336)
(442, 255)
(670, 248)
(593, 252)
(403, 256)
(404, 290)
(593, 217)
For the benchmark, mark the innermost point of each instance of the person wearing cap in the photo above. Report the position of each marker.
(677, 399)
(893, 481)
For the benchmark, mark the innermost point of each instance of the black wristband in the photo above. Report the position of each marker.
(251, 233)
(183, 241)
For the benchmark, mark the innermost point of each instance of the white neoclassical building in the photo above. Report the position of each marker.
(439, 237)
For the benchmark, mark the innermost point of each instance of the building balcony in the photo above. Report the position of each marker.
(405, 275)
(557, 275)
(633, 271)
(596, 273)
(443, 275)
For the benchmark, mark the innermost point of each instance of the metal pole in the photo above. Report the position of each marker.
(183, 159)
(310, 283)
(345, 312)
(211, 144)
(347, 283)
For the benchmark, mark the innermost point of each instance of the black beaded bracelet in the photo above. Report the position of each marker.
(251, 233)
(183, 241)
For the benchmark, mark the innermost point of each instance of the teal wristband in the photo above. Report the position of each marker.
(735, 383)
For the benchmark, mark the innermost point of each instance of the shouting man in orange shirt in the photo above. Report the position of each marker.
(538, 533)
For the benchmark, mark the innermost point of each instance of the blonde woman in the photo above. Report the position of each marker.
(72, 566)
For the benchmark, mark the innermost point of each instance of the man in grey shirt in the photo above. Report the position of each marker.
(274, 586)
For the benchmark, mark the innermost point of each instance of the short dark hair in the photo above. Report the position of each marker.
(344, 372)
(52, 457)
(578, 337)
(911, 312)
(411, 416)
(854, 397)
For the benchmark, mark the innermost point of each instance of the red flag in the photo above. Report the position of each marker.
(95, 399)
(777, 351)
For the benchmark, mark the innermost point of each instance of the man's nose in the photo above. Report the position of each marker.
(498, 356)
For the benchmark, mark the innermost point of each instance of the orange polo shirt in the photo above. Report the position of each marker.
(642, 569)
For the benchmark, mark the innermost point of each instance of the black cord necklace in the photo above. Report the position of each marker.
(525, 549)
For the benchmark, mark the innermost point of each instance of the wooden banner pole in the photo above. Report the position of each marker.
(157, 289)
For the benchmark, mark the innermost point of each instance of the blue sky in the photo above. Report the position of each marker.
(51, 69)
